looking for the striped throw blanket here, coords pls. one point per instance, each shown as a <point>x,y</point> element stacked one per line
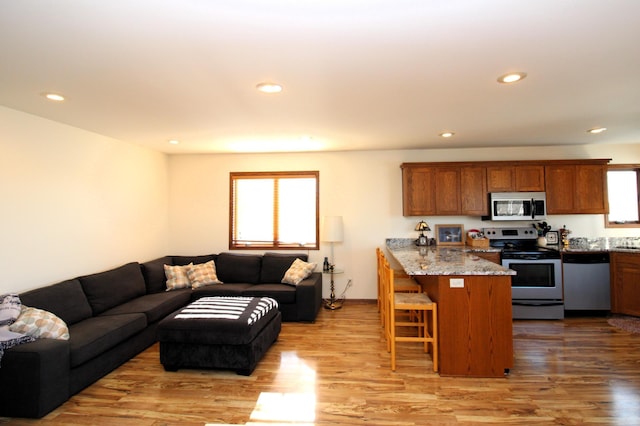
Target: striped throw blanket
<point>229,308</point>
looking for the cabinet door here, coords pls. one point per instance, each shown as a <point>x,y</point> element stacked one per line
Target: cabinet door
<point>576,189</point>
<point>447,195</point>
<point>529,178</point>
<point>560,188</point>
<point>488,255</point>
<point>500,179</point>
<point>418,191</point>
<point>625,283</point>
<point>473,191</point>
<point>591,189</point>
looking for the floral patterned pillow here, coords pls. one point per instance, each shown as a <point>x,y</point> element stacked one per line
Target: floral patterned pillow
<point>298,271</point>
<point>9,308</point>
<point>40,324</point>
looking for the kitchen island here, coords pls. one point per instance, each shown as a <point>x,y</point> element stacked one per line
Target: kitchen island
<point>474,306</point>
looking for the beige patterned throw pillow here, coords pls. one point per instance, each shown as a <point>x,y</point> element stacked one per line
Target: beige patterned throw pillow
<point>177,276</point>
<point>40,324</point>
<point>203,274</point>
<point>298,271</point>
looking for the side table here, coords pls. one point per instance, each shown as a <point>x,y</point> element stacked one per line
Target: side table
<point>331,302</point>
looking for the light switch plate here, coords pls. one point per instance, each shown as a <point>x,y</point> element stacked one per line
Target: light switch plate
<point>456,282</point>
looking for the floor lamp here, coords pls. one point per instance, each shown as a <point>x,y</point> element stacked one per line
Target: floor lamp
<point>332,232</point>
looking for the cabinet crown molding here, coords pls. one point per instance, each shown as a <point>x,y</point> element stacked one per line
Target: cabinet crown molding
<point>565,162</point>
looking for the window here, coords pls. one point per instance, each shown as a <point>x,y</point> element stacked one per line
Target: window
<point>274,210</point>
<point>622,187</point>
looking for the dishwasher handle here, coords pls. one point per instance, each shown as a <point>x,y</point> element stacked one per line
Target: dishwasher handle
<point>586,258</point>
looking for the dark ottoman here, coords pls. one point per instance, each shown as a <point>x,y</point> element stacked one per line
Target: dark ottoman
<point>230,333</point>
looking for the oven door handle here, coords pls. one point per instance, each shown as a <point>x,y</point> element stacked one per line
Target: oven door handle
<point>527,257</point>
<point>553,303</point>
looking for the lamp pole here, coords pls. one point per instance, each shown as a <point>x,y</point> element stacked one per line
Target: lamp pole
<point>332,232</point>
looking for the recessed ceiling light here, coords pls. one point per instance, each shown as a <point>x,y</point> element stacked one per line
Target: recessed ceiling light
<point>597,130</point>
<point>447,134</point>
<point>174,142</point>
<point>512,77</point>
<point>54,97</point>
<point>268,87</point>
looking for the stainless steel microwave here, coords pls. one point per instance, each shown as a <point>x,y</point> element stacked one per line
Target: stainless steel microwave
<point>518,205</point>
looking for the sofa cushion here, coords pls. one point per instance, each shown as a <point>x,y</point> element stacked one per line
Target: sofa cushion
<point>154,276</point>
<point>238,268</point>
<point>298,271</point>
<point>40,324</point>
<point>177,277</point>
<point>274,265</point>
<point>107,289</point>
<point>185,260</point>
<point>220,290</point>
<point>155,306</point>
<point>94,336</point>
<point>65,299</point>
<point>203,274</point>
<point>283,293</point>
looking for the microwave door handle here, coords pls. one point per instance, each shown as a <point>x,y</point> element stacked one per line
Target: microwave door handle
<point>533,209</point>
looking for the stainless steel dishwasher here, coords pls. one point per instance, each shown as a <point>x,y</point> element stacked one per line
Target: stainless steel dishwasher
<point>586,281</point>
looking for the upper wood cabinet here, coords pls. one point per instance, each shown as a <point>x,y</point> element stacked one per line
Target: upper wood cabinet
<point>576,189</point>
<point>447,193</point>
<point>462,188</point>
<point>473,191</point>
<point>430,191</point>
<point>418,191</point>
<point>529,178</point>
<point>515,178</point>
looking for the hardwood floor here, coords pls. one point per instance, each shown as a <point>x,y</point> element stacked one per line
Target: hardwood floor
<point>336,372</point>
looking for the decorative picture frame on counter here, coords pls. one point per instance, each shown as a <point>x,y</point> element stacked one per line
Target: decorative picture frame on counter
<point>552,237</point>
<point>450,235</point>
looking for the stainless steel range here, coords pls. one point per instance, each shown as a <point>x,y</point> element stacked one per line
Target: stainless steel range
<point>536,290</point>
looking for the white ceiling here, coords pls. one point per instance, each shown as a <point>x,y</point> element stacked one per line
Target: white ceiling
<point>357,74</point>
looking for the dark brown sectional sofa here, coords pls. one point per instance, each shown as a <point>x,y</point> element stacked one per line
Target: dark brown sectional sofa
<point>113,315</point>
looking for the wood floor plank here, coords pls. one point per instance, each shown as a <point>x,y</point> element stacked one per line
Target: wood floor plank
<point>336,371</point>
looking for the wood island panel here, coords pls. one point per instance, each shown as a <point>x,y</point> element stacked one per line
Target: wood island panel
<point>474,324</point>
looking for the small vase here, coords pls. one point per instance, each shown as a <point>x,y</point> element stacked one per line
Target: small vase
<point>542,241</point>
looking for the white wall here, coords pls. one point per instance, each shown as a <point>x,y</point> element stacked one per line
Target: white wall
<point>364,187</point>
<point>73,202</point>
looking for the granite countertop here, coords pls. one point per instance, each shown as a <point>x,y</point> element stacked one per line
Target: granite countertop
<point>442,260</point>
<point>579,249</point>
<point>606,244</point>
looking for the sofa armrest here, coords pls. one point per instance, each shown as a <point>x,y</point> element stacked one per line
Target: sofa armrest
<point>309,297</point>
<point>34,378</point>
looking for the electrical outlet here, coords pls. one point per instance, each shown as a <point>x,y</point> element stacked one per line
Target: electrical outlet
<point>456,282</point>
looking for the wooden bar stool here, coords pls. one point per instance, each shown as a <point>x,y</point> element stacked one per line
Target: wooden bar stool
<point>398,302</point>
<point>402,283</point>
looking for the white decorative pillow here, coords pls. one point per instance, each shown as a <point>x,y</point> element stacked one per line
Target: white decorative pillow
<point>298,271</point>
<point>177,276</point>
<point>9,308</point>
<point>40,324</point>
<point>203,274</point>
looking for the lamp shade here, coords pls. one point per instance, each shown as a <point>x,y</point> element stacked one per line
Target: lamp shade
<point>332,229</point>
<point>422,226</point>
